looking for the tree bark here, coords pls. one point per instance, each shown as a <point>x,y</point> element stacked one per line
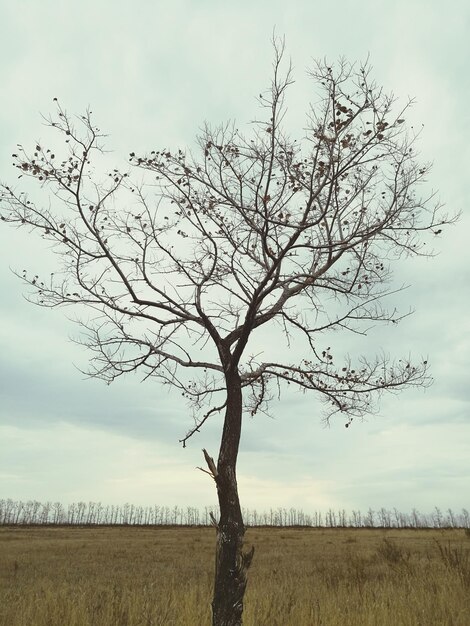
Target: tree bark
<point>231,563</point>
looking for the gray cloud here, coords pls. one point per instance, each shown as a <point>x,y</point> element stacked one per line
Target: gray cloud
<point>152,75</point>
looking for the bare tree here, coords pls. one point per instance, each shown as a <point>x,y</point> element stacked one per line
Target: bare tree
<point>180,267</point>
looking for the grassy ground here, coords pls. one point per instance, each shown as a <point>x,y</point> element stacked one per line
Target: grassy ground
<point>163,577</point>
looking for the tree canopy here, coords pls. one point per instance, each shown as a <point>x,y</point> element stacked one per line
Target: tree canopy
<point>211,244</point>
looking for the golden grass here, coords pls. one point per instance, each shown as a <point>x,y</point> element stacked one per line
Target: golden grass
<point>163,577</point>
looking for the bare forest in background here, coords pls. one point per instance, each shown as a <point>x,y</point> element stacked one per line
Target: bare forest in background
<point>96,513</point>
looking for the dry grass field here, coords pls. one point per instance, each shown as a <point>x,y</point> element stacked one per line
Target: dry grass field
<point>141,576</point>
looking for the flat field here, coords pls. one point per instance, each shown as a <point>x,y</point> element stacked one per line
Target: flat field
<point>158,576</point>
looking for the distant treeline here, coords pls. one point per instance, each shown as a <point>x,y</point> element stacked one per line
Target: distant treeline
<point>95,513</point>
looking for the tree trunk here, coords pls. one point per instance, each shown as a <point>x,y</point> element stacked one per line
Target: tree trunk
<point>231,563</point>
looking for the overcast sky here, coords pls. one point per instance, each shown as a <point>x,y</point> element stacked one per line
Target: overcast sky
<point>153,72</point>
